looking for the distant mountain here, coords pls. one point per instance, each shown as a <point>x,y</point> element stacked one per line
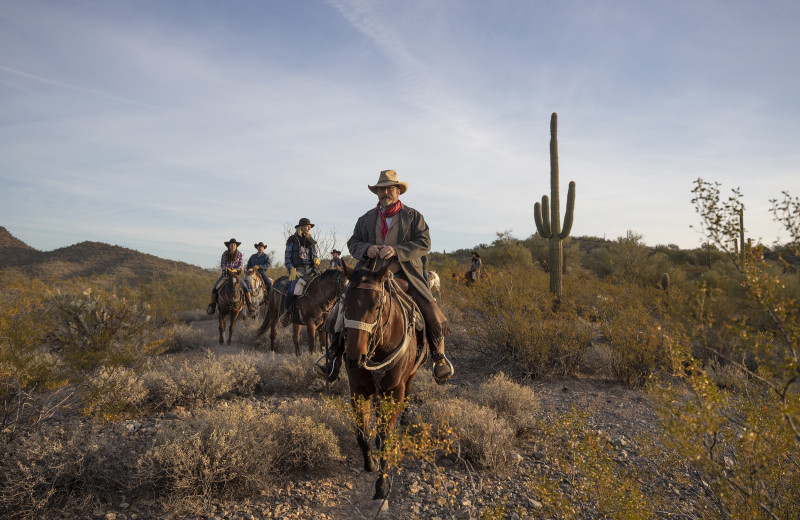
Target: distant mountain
<point>83,260</point>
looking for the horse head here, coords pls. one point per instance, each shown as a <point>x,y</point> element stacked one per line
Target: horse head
<point>365,304</point>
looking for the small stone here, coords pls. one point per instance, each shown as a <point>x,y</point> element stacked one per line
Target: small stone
<point>515,457</point>
<point>534,503</point>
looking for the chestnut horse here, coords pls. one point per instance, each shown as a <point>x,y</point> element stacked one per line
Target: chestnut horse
<point>230,299</point>
<point>313,306</point>
<point>382,352</point>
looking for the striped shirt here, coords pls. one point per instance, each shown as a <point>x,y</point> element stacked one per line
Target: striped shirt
<point>237,262</point>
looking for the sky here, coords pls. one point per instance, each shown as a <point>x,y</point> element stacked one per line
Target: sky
<point>170,126</point>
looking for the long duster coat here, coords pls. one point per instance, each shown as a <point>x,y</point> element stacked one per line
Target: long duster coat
<point>413,241</point>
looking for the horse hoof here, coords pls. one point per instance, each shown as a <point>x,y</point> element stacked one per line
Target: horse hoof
<point>381,505</point>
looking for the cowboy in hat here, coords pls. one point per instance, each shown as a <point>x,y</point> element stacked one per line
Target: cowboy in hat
<point>260,262</point>
<point>300,260</point>
<point>336,262</point>
<point>231,262</point>
<point>399,235</point>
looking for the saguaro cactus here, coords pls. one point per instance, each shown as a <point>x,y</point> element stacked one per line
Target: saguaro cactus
<point>548,216</point>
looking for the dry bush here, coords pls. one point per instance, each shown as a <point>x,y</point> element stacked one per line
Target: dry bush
<point>513,402</point>
<point>234,451</point>
<point>191,382</point>
<point>478,434</point>
<point>333,413</point>
<point>184,338</point>
<point>54,472</point>
<point>293,375</point>
<point>589,483</point>
<point>512,317</point>
<point>113,392</point>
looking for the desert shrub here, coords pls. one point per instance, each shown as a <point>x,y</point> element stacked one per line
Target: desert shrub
<point>184,337</point>
<point>233,451</point>
<point>305,444</point>
<point>185,382</point>
<point>477,433</point>
<point>335,416</point>
<point>113,392</point>
<point>737,441</point>
<point>592,484</point>
<point>512,318</point>
<point>295,375</point>
<point>94,329</point>
<point>513,402</point>
<point>54,472</point>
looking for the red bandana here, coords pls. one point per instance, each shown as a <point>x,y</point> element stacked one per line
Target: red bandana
<point>388,212</point>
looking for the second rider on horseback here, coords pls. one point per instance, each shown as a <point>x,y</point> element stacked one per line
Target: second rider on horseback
<point>301,261</point>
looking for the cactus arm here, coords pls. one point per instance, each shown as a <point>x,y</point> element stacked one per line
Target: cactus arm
<point>569,212</point>
<point>540,211</point>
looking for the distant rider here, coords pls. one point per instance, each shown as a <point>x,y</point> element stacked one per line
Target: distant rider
<point>260,262</point>
<point>231,262</point>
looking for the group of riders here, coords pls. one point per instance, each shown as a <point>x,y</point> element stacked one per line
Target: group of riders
<point>390,232</point>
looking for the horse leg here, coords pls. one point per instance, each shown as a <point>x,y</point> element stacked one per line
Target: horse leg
<point>272,333</point>
<point>234,317</point>
<point>362,409</point>
<point>381,484</point>
<point>221,328</point>
<point>296,338</point>
<point>311,333</point>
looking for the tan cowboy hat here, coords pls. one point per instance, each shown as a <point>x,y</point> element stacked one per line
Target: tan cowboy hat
<point>229,242</point>
<point>388,178</point>
<point>260,244</point>
<point>304,222</point>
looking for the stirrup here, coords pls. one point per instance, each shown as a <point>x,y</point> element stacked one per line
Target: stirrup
<point>332,374</point>
<point>444,376</point>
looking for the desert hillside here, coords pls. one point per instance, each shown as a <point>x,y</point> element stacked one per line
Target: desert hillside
<point>84,259</point>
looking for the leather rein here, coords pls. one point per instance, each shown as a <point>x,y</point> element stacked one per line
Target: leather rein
<point>376,338</point>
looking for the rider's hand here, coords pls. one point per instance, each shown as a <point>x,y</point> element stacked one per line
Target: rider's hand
<point>293,274</point>
<point>256,268</point>
<point>316,261</point>
<point>388,252</point>
<point>373,251</point>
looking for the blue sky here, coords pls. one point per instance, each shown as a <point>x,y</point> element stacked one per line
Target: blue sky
<point>170,126</point>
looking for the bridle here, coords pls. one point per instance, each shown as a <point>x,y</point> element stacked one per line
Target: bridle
<point>376,338</point>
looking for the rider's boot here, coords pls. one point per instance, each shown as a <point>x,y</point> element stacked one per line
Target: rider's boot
<point>442,367</point>
<point>286,317</point>
<point>250,307</point>
<point>212,307</point>
<point>333,359</point>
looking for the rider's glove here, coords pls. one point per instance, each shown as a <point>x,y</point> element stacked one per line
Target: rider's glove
<point>316,261</point>
<point>293,274</point>
<point>256,267</point>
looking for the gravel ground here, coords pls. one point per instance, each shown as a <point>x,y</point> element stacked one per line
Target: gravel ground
<point>452,489</point>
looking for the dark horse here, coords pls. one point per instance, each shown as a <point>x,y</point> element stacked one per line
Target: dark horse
<point>382,351</point>
<point>230,299</point>
<point>312,307</point>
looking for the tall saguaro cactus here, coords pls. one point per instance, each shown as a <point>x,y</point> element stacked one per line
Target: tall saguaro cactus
<point>548,216</point>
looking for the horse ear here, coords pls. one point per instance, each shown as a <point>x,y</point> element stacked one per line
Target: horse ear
<point>383,271</point>
<point>348,271</point>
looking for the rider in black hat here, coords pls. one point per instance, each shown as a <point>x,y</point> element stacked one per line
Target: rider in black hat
<point>231,262</point>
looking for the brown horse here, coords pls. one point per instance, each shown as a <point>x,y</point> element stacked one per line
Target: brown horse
<point>466,277</point>
<point>382,352</point>
<point>311,308</point>
<point>230,299</point>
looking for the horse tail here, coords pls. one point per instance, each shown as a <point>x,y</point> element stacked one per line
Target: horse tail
<point>268,314</point>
